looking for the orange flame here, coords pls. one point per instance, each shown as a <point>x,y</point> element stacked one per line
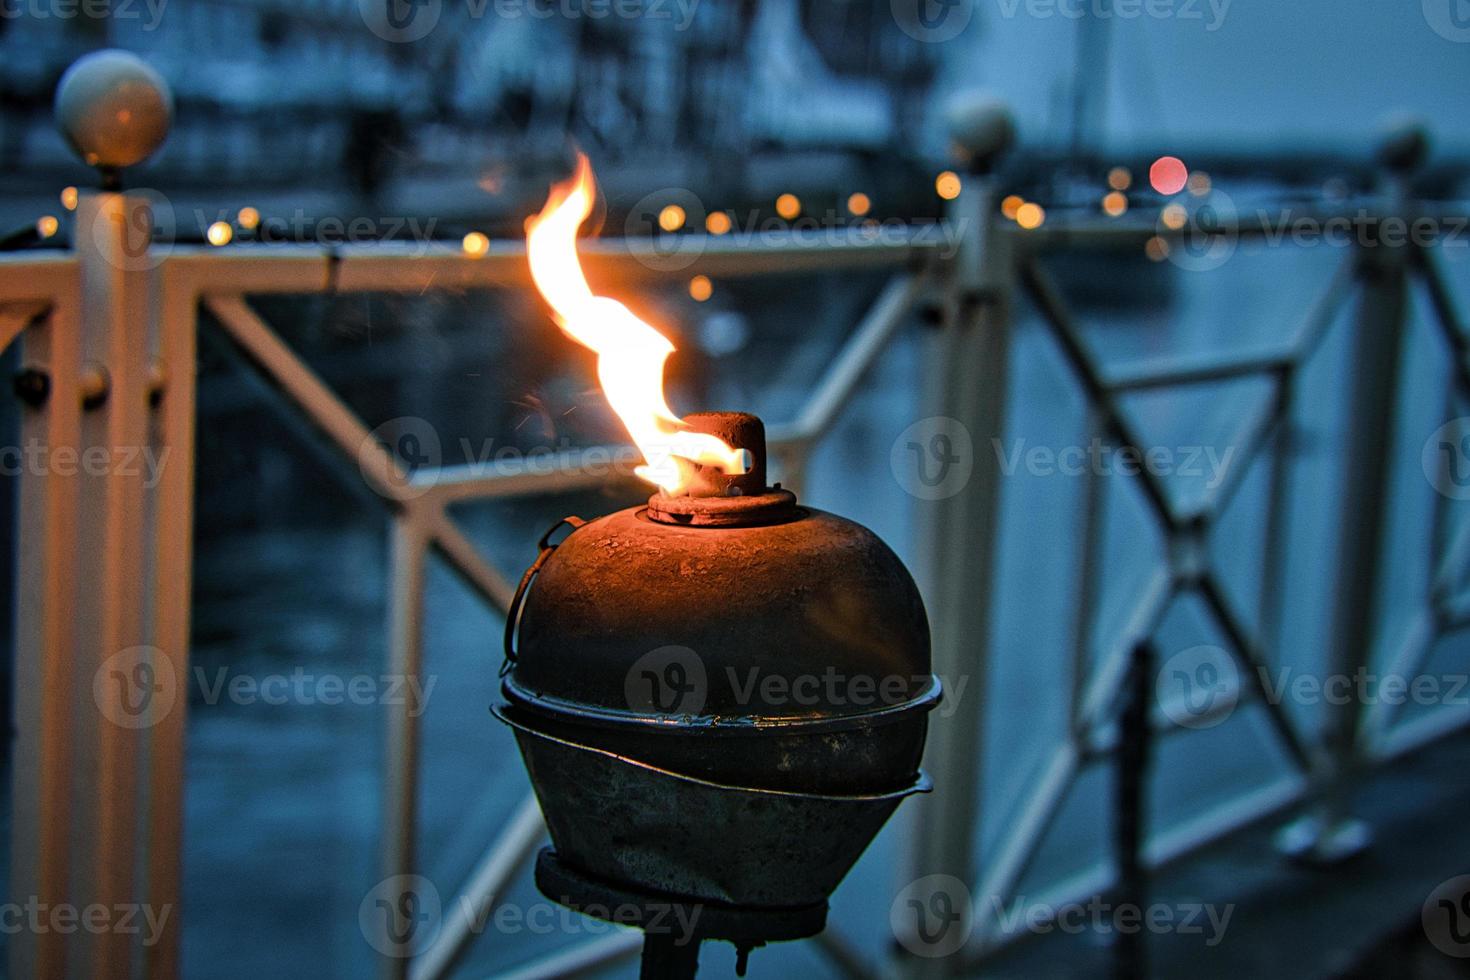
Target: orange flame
<point>630,353</point>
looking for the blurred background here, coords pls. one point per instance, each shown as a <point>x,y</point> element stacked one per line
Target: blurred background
<point>311,123</point>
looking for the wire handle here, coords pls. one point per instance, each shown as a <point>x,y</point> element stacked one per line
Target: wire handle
<point>518,601</point>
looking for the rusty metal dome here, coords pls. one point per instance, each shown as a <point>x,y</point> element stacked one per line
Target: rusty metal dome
<point>730,669</point>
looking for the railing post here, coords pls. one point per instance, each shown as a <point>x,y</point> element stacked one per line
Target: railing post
<point>966,374</point>
<point>104,551</point>
<point>120,691</point>
<point>45,671</point>
<point>1328,833</point>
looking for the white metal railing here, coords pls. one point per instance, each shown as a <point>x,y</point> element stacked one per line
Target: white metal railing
<point>108,337</point>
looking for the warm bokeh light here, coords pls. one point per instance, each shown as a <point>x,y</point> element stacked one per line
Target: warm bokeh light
<point>1199,183</point>
<point>1011,204</point>
<point>671,218</point>
<point>69,198</point>
<point>249,218</point>
<point>1120,178</point>
<point>47,225</point>
<point>220,233</point>
<point>630,352</point>
<point>475,244</point>
<point>1174,217</point>
<point>1156,249</point>
<point>1114,203</point>
<point>947,185</point>
<point>788,206</point>
<point>1030,215</point>
<point>859,204</point>
<point>717,223</point>
<point>700,288</point>
<point>1168,175</point>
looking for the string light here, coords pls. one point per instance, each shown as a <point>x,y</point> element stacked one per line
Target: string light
<point>1030,215</point>
<point>947,185</point>
<point>69,198</point>
<point>249,218</point>
<point>1120,178</point>
<point>1114,203</point>
<point>859,204</point>
<point>1011,204</point>
<point>1168,175</point>
<point>219,233</point>
<point>700,288</point>
<point>671,218</point>
<point>1174,217</point>
<point>717,223</point>
<point>1156,249</point>
<point>475,244</point>
<point>788,206</point>
<point>47,226</point>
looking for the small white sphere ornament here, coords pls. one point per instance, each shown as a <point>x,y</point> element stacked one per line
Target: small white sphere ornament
<point>981,126</point>
<point>113,108</point>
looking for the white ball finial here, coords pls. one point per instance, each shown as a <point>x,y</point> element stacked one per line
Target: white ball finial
<point>113,109</point>
<point>1403,142</point>
<point>981,126</point>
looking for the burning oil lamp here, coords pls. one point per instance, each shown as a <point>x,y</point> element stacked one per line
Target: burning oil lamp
<point>721,696</point>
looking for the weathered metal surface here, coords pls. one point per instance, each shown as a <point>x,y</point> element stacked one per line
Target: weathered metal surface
<point>722,711</point>
<point>632,823</point>
<point>806,641</point>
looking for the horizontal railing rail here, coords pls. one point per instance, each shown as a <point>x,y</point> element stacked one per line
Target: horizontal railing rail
<point>108,345</point>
